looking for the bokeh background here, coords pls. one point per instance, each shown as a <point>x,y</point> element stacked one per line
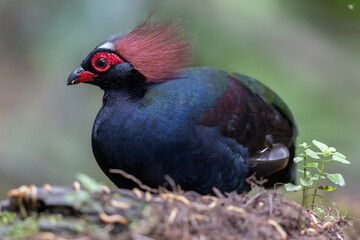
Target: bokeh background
<point>307,51</point>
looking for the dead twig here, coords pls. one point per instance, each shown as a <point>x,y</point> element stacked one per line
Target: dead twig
<point>252,199</point>
<point>106,189</point>
<point>236,209</point>
<point>33,193</point>
<point>218,193</point>
<point>176,197</point>
<point>200,217</point>
<point>173,215</point>
<point>310,231</point>
<point>134,179</point>
<point>120,205</point>
<point>271,205</point>
<point>327,225</point>
<point>174,187</point>
<point>254,182</point>
<point>22,208</point>
<point>116,218</point>
<point>278,228</point>
<point>212,204</point>
<point>148,196</point>
<point>138,193</point>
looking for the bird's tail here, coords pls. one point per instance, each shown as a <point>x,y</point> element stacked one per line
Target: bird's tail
<point>287,175</point>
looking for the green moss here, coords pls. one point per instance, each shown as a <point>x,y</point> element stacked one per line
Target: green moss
<point>7,217</point>
<point>27,227</point>
<point>80,227</point>
<point>78,197</point>
<point>134,223</point>
<point>116,195</point>
<point>53,218</point>
<point>89,183</point>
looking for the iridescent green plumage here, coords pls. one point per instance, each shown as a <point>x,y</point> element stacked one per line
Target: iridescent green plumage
<point>268,95</point>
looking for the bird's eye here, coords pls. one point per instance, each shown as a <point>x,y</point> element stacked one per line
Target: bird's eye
<point>101,63</point>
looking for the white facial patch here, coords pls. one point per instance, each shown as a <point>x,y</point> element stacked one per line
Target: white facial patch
<point>107,45</point>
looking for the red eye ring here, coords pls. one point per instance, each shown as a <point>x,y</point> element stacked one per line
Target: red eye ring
<point>103,60</point>
<point>100,62</point>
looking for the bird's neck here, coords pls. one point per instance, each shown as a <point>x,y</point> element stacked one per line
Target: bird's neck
<point>135,85</point>
<point>116,96</point>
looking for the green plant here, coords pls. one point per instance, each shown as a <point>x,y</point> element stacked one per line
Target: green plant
<point>313,170</point>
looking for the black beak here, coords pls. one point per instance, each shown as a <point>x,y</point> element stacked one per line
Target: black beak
<point>74,77</point>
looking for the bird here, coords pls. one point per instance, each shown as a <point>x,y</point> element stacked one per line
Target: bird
<point>203,127</point>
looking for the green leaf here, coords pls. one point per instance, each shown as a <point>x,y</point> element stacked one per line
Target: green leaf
<point>322,146</point>
<point>312,154</point>
<point>312,164</point>
<point>292,188</point>
<point>336,178</point>
<point>332,150</point>
<point>298,159</point>
<point>338,158</point>
<point>304,145</point>
<point>316,176</point>
<point>340,155</point>
<point>327,188</point>
<point>306,182</point>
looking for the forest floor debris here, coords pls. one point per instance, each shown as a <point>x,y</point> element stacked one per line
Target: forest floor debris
<point>88,210</point>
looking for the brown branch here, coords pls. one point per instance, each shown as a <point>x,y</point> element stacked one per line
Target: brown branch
<point>252,199</point>
<point>134,179</point>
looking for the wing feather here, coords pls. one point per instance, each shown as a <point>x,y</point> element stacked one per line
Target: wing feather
<point>251,113</point>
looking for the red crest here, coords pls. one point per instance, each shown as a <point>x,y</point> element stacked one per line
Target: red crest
<point>158,49</point>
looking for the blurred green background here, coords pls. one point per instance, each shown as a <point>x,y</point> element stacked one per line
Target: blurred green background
<point>307,51</point>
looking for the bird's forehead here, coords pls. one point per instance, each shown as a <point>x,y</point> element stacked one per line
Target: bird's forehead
<point>107,45</point>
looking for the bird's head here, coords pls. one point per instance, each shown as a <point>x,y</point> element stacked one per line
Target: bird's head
<point>155,51</point>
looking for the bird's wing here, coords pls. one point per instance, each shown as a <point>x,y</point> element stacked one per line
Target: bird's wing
<point>257,118</point>
<point>268,96</point>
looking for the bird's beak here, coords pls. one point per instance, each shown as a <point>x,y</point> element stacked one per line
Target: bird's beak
<point>80,75</point>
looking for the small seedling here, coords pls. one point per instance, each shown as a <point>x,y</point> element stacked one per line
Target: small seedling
<point>313,170</point>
